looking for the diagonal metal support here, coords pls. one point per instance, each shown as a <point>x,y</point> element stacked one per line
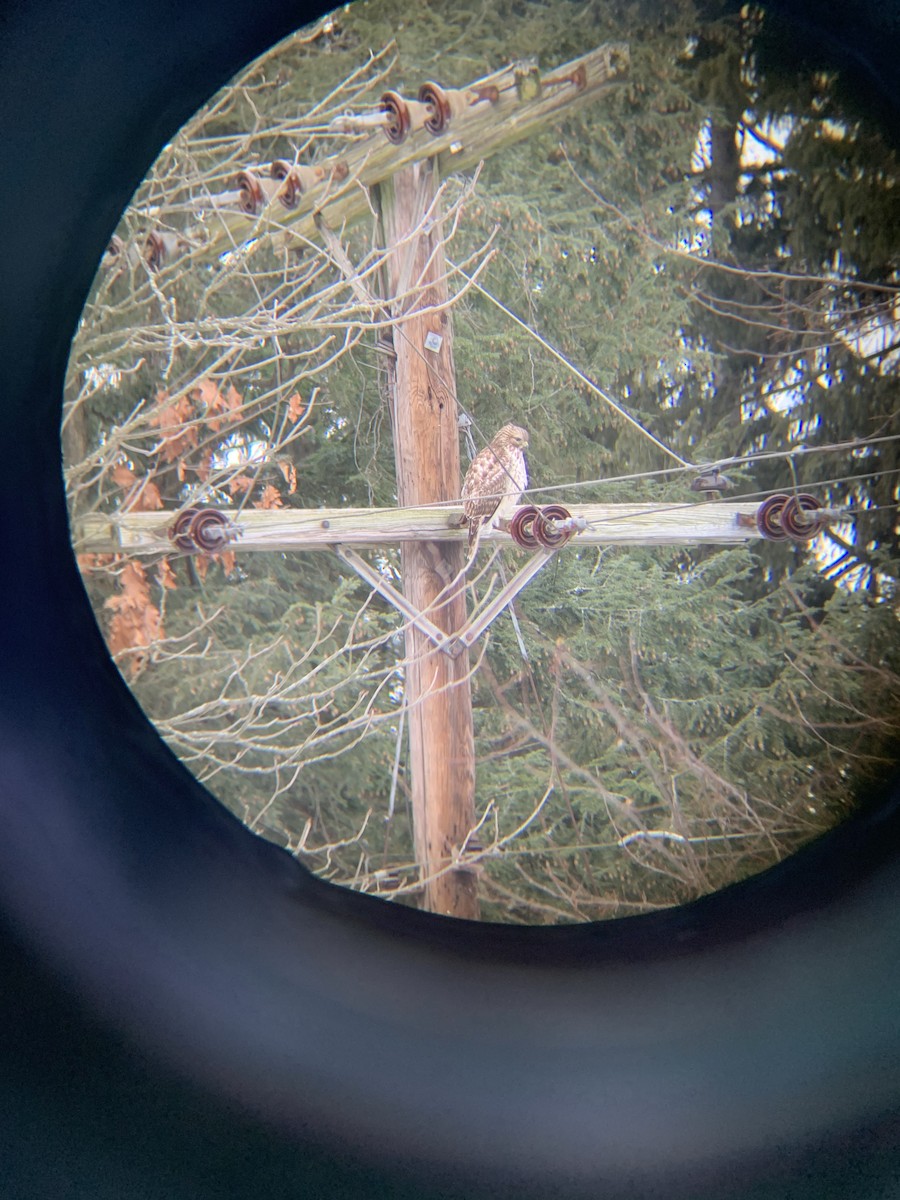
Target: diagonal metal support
<point>399,601</point>
<point>474,627</point>
<point>478,623</point>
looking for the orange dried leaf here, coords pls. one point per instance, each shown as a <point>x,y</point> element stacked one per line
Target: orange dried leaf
<point>121,633</point>
<point>172,419</point>
<point>269,499</point>
<point>93,562</point>
<point>233,401</point>
<point>149,628</point>
<point>228,559</point>
<point>207,392</point>
<point>228,403</point>
<point>133,584</point>
<point>123,476</point>
<point>131,629</point>
<point>286,467</point>
<point>148,498</point>
<point>240,483</point>
<point>172,414</point>
<point>296,407</point>
<point>166,575</point>
<point>210,400</point>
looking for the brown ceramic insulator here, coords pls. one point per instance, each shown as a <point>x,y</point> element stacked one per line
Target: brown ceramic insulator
<point>154,250</point>
<point>768,518</point>
<point>446,104</point>
<point>251,198</point>
<point>160,248</point>
<point>209,530</point>
<point>118,255</point>
<point>800,518</point>
<point>255,192</point>
<point>521,527</point>
<point>180,530</point>
<point>291,188</point>
<point>293,180</point>
<point>546,531</point>
<point>405,116</point>
<point>435,98</point>
<point>395,107</point>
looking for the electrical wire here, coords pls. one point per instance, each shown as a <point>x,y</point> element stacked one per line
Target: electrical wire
<point>683,467</point>
<point>740,460</point>
<point>570,366</point>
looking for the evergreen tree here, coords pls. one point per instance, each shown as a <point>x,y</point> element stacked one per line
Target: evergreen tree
<point>712,245</point>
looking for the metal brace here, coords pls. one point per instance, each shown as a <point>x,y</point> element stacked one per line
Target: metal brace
<point>464,638</point>
<point>399,601</point>
<point>479,621</point>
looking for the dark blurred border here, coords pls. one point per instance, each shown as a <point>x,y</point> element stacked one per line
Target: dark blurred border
<point>183,1010</point>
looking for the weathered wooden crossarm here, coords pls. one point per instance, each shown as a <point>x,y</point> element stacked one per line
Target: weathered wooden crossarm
<point>323,528</point>
<point>524,101</point>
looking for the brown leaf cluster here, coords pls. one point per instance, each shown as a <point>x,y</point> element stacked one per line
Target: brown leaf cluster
<point>212,400</point>
<point>296,408</point>
<point>271,498</point>
<point>166,575</point>
<point>93,562</point>
<point>177,425</point>
<point>289,471</point>
<point>135,622</point>
<point>141,493</point>
<point>240,483</point>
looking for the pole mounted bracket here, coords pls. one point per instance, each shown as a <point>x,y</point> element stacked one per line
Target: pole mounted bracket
<point>453,644</point>
<point>424,624</point>
<point>481,619</point>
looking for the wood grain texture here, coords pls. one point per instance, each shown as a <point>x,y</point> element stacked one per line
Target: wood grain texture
<point>426,450</point>
<point>642,524</point>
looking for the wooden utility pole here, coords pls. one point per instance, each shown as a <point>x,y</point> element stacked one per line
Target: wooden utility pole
<point>399,165</point>
<point>422,386</point>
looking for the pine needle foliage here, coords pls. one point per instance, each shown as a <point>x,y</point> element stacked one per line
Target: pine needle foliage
<point>713,245</point>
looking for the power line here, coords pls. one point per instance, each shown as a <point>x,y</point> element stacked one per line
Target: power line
<point>570,366</point>
<point>740,460</point>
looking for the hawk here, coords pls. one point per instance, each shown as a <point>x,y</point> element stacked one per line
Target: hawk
<point>495,480</point>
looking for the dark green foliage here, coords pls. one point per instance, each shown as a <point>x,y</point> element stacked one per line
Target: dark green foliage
<point>686,715</point>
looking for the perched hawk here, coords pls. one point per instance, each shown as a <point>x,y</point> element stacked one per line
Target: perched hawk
<point>495,480</point>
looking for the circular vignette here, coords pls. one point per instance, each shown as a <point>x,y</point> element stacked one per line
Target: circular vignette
<point>746,1045</point>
